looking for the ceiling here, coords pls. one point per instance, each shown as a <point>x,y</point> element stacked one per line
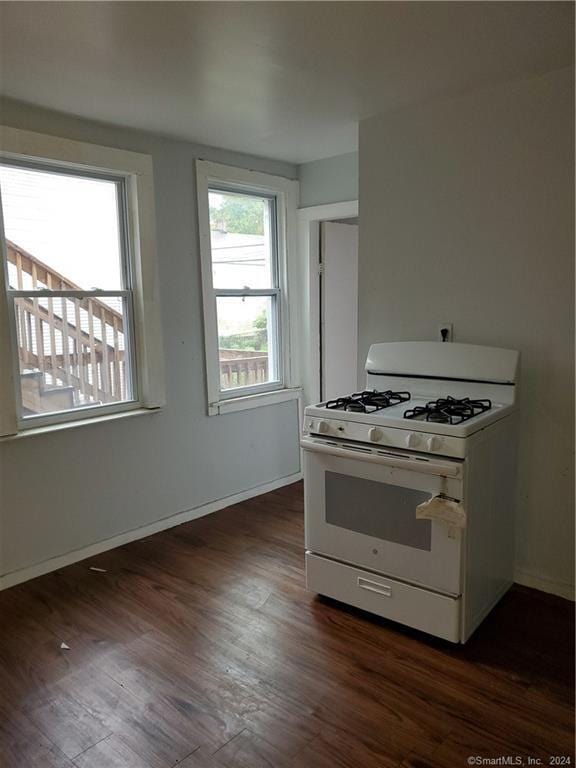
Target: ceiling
<point>289,80</point>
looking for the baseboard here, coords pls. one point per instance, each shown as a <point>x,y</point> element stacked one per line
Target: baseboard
<point>61,561</point>
<point>562,589</point>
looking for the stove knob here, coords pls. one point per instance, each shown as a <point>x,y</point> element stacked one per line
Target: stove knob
<point>323,427</point>
<point>375,434</point>
<point>434,443</point>
<point>413,440</point>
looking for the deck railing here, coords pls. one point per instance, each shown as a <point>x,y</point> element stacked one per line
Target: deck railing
<point>76,344</point>
<point>73,341</point>
<point>242,368</point>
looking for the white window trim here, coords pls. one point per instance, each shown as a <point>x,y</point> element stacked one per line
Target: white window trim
<point>138,172</point>
<point>286,191</point>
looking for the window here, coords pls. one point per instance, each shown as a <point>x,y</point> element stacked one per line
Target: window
<point>77,296</point>
<point>243,242</point>
<point>243,237</point>
<point>69,288</point>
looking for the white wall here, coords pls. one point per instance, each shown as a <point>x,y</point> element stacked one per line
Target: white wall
<point>331,180</point>
<point>339,316</point>
<point>466,209</point>
<point>63,491</point>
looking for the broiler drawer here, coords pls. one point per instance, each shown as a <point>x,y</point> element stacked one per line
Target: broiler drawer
<point>416,607</point>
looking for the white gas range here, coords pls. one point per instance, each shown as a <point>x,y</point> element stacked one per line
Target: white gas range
<point>410,486</point>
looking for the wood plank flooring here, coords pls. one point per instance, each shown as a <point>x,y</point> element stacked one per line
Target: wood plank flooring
<point>200,647</point>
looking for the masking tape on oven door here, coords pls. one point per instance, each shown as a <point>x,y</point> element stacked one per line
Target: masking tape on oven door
<point>440,508</point>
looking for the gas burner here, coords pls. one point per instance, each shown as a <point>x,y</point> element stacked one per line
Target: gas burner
<point>368,402</point>
<point>448,410</point>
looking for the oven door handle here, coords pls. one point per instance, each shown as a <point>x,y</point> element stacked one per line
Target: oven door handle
<point>424,466</point>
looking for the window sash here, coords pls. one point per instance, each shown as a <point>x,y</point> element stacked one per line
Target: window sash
<point>275,335</point>
<point>87,410</point>
<point>272,197</point>
<point>119,180</point>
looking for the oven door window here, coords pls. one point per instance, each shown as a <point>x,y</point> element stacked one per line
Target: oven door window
<point>382,511</point>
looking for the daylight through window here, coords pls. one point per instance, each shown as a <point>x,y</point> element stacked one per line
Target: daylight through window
<point>244,251</point>
<point>69,288</point>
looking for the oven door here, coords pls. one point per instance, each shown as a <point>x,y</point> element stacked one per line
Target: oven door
<point>360,508</point>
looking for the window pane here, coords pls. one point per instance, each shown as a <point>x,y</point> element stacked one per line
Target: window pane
<point>247,341</point>
<point>73,352</point>
<point>63,231</point>
<point>241,239</point>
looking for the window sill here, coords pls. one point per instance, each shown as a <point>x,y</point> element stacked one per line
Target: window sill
<point>247,402</point>
<point>48,428</point>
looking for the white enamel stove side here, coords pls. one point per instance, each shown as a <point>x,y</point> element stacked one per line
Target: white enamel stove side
<point>392,437</point>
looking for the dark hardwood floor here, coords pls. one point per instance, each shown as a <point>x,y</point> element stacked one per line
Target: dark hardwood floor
<point>200,647</point>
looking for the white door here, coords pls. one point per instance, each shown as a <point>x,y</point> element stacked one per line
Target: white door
<point>339,309</point>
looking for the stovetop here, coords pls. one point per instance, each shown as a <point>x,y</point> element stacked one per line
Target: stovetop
<point>368,401</point>
<point>444,410</point>
<point>445,415</point>
<point>448,410</point>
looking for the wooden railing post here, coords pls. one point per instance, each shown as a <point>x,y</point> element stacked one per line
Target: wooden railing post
<point>38,322</point>
<point>65,340</point>
<point>52,330</point>
<point>80,348</point>
<point>116,364</point>
<point>92,351</point>
<point>104,363</point>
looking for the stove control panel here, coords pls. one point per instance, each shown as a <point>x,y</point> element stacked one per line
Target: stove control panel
<point>393,437</point>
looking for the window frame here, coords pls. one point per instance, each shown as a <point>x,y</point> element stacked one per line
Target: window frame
<point>126,293</point>
<point>284,192</point>
<point>274,291</point>
<point>134,173</point>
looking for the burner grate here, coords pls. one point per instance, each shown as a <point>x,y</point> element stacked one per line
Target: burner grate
<point>367,401</point>
<point>448,410</point>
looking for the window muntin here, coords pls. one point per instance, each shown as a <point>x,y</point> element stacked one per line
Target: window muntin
<point>69,289</point>
<point>245,281</point>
